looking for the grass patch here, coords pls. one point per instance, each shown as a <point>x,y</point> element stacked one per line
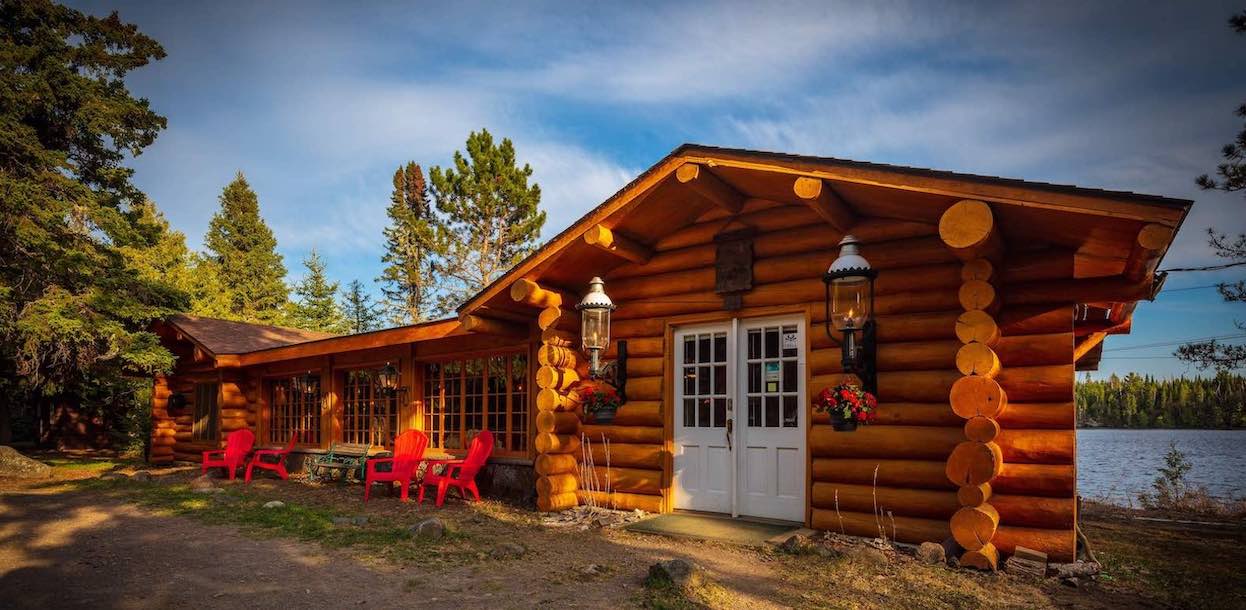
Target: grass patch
<point>85,464</point>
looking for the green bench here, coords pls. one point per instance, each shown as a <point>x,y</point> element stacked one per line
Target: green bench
<point>343,462</point>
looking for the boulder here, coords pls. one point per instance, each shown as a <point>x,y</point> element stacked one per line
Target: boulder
<point>359,520</point>
<point>201,482</point>
<point>14,464</point>
<point>869,556</point>
<point>931,552</point>
<point>114,476</point>
<point>679,572</point>
<point>508,550</point>
<point>274,504</point>
<point>341,521</point>
<point>796,544</point>
<point>141,476</point>
<point>431,528</point>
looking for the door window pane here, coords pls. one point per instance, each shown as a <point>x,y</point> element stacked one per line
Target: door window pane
<point>690,349</point>
<point>772,411</point>
<point>690,412</point>
<point>772,343</point>
<point>720,412</point>
<point>754,411</point>
<point>720,347</point>
<point>754,344</point>
<point>791,417</point>
<point>703,413</point>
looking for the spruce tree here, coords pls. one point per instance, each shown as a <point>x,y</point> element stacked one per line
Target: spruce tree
<point>74,314</point>
<point>362,315</point>
<point>490,209</point>
<point>412,244</point>
<point>316,307</point>
<point>244,251</point>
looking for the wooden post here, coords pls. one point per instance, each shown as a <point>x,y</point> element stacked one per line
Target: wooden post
<point>530,293</point>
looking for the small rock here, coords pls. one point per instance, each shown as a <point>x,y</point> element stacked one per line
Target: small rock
<point>359,520</point>
<point>1074,582</point>
<point>114,476</point>
<point>931,552</point>
<point>796,544</point>
<point>219,497</point>
<point>141,476</point>
<point>591,570</point>
<point>431,528</point>
<point>339,521</point>
<point>274,504</point>
<point>14,464</point>
<point>827,551</point>
<point>870,555</point>
<point>508,550</point>
<point>679,572</point>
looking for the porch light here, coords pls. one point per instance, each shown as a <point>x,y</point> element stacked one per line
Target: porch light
<point>387,378</point>
<point>595,309</point>
<point>850,309</point>
<point>305,383</point>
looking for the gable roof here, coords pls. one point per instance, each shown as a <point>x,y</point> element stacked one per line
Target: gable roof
<point>1041,196</point>
<point>219,337</point>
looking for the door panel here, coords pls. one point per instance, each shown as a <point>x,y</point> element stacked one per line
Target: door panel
<point>772,365</point>
<point>703,474</point>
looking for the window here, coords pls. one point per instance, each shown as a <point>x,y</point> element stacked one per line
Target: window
<point>295,411</point>
<point>369,413</point>
<point>462,397</point>
<point>206,412</point>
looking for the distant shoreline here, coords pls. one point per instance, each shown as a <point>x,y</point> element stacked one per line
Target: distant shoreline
<point>1093,427</point>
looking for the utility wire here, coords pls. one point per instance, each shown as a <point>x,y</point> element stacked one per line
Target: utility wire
<point>1208,268</point>
<point>1176,342</point>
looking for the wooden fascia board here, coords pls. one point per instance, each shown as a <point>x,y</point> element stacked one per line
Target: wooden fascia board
<point>967,189</point>
<point>349,343</point>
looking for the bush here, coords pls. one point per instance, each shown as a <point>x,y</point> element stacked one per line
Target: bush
<point>1174,493</point>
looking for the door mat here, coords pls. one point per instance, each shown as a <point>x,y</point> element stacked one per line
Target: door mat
<point>706,527</point>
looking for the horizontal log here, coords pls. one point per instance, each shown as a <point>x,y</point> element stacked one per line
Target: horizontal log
<point>973,527</point>
<point>644,388</point>
<point>981,429</point>
<point>550,317</point>
<point>1060,545</point>
<point>823,200</point>
<point>1035,350</point>
<point>1035,320</point>
<point>492,326</point>
<point>977,294</point>
<point>546,442</point>
<point>555,484</point>
<point>887,442</point>
<point>765,221</point>
<point>911,530</point>
<point>1074,291</point>
<point>905,356</point>
<point>902,386</point>
<point>1144,255</point>
<point>974,495</point>
<point>1049,383</point>
<point>639,413</point>
<point>561,338</point>
<point>810,290</point>
<point>555,503</point>
<point>1037,265</point>
<point>617,244</point>
<point>1049,480</point>
<point>625,455</point>
<point>549,399</point>
<point>985,558</point>
<point>977,326</point>
<point>637,347</point>
<point>974,396</point>
<point>630,480</point>
<point>1035,511</point>
<point>651,435</point>
<point>622,501</point>
<point>908,414</point>
<point>557,356</point>
<point>924,503</point>
<point>981,269</point>
<point>894,328</point>
<point>558,422</point>
<point>555,378</point>
<point>913,474</point>
<point>644,367</point>
<point>548,464</point>
<point>974,463</point>
<point>969,230</point>
<point>977,359</point>
<point>1039,415</point>
<point>1038,446</point>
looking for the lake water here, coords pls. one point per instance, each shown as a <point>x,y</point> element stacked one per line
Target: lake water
<point>1115,465</point>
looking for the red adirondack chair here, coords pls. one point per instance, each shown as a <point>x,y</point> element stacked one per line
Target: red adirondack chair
<point>460,474</point>
<point>408,453</point>
<point>277,459</point>
<point>237,445</point>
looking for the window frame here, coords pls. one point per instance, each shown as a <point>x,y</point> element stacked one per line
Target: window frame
<point>209,431</point>
<point>271,383</point>
<point>438,386</point>
<point>343,399</point>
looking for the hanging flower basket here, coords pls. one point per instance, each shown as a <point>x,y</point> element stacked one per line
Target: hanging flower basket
<point>848,405</point>
<point>599,399</point>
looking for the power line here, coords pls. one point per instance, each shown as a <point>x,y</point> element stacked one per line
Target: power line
<point>1208,268</point>
<point>1166,290</point>
<point>1176,342</point>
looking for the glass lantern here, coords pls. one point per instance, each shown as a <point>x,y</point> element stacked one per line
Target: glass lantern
<point>850,308</point>
<point>595,310</point>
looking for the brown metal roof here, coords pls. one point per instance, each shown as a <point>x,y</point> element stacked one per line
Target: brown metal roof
<point>230,337</point>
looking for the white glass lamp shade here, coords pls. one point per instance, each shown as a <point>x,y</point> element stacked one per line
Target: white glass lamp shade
<point>387,377</point>
<point>595,310</point>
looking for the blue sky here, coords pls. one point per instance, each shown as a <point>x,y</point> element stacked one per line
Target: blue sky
<point>318,103</point>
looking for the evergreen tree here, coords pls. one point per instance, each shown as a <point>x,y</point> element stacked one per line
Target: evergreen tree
<point>244,251</point>
<point>361,314</point>
<point>316,307</point>
<point>492,212</point>
<point>413,241</point>
<point>73,312</point>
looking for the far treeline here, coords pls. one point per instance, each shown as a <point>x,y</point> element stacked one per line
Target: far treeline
<point>1136,401</point>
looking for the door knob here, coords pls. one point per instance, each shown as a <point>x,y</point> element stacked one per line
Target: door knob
<point>730,425</point>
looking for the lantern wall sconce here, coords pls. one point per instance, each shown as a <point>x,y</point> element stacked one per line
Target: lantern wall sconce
<point>850,310</point>
<point>307,384</point>
<point>595,309</point>
<point>388,379</point>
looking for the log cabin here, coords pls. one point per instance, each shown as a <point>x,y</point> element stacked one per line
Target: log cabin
<point>990,293</point>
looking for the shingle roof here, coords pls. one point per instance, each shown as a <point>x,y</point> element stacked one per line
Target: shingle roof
<point>230,337</point>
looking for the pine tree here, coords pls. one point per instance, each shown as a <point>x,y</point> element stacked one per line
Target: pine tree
<point>492,212</point>
<point>316,307</point>
<point>413,241</point>
<point>74,312</point>
<point>361,314</point>
<point>245,253</point>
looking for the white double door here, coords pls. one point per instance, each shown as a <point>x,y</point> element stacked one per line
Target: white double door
<point>740,418</point>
